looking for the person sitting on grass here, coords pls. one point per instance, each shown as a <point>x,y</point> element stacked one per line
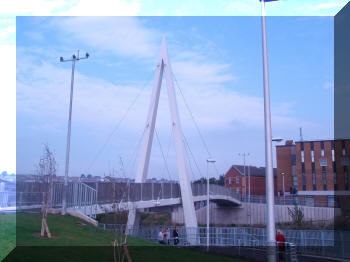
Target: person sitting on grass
<point>161,237</point>
<point>168,236</point>
<point>176,236</point>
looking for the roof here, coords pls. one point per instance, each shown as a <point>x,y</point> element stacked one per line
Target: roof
<point>321,140</point>
<point>254,171</point>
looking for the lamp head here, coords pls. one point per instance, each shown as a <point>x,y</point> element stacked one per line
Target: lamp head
<point>277,139</point>
<point>61,59</point>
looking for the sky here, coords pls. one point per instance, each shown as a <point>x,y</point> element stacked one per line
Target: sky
<point>216,61</point>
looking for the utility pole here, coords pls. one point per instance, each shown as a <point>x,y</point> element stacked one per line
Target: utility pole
<point>65,186</point>
<point>270,221</point>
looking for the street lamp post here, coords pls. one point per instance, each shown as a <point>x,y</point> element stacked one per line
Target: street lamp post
<point>244,174</point>
<point>208,161</point>
<point>278,140</point>
<point>270,221</point>
<point>65,186</point>
<point>250,214</point>
<point>284,191</point>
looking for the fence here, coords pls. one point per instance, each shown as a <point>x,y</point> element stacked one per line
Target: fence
<point>327,243</point>
<point>288,200</point>
<point>7,199</point>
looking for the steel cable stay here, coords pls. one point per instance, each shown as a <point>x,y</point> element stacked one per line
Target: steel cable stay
<point>194,122</point>
<point>133,156</point>
<point>166,166</point>
<point>163,156</point>
<point>189,163</point>
<point>190,151</point>
<point>168,149</point>
<point>117,126</point>
<point>131,162</point>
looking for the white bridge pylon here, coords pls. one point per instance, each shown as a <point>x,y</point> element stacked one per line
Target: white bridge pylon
<point>147,139</point>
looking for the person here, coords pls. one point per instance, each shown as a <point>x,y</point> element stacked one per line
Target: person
<point>280,239</point>
<point>176,236</point>
<point>168,236</point>
<point>161,237</point>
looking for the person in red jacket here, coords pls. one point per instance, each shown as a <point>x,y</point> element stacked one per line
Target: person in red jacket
<point>280,239</point>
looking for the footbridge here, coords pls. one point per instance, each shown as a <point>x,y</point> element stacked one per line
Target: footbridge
<point>101,197</point>
<point>148,195</point>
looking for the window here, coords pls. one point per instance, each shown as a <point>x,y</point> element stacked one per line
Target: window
<point>330,201</point>
<point>295,181</point>
<point>312,156</point>
<point>237,190</point>
<point>323,162</point>
<point>237,179</point>
<point>334,175</point>
<point>322,152</point>
<point>302,156</point>
<point>230,181</point>
<point>324,178</point>
<point>345,161</point>
<point>333,156</point>
<point>313,180</point>
<point>310,201</point>
<point>304,180</point>
<point>346,178</point>
<point>343,148</point>
<point>294,160</point>
<point>322,148</point>
<point>343,151</point>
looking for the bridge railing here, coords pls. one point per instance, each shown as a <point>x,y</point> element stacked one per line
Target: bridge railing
<point>82,194</point>
<point>199,189</point>
<point>79,196</point>
<point>108,192</point>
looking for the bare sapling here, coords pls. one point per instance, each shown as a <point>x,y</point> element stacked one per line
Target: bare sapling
<point>120,249</point>
<point>47,169</point>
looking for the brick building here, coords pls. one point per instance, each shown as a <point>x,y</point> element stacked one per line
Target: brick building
<point>235,179</point>
<point>316,168</point>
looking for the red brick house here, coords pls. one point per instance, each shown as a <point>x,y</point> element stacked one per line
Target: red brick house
<point>235,179</point>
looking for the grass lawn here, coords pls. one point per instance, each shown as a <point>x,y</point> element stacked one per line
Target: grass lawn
<point>7,234</point>
<point>75,242</point>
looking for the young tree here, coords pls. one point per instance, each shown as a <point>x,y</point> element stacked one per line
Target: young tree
<point>120,248</point>
<point>47,169</point>
<point>296,214</point>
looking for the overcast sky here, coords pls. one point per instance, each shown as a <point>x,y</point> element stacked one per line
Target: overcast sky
<point>217,64</point>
